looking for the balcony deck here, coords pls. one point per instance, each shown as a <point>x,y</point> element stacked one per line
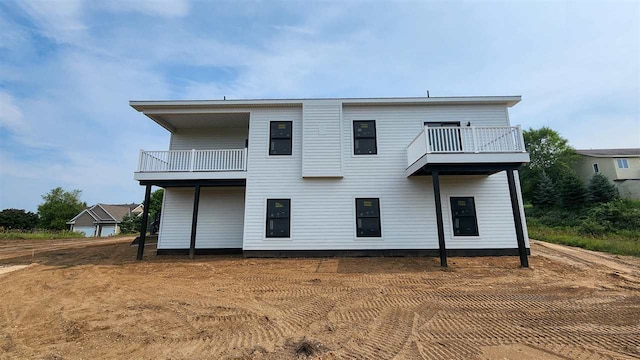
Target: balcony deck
<point>466,146</point>
<point>192,165</point>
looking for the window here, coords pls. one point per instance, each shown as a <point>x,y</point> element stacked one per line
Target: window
<point>280,138</point>
<point>368,218</point>
<point>278,218</point>
<point>463,211</point>
<point>595,168</point>
<point>623,164</point>
<point>364,137</point>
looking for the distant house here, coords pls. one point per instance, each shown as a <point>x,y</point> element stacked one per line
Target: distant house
<point>622,166</point>
<point>102,220</point>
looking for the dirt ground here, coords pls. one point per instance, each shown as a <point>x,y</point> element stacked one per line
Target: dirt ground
<point>89,299</point>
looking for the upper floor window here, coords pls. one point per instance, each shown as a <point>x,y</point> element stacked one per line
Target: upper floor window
<point>463,212</point>
<point>595,168</point>
<point>364,137</point>
<point>623,164</point>
<point>368,218</point>
<point>280,138</point>
<point>278,218</point>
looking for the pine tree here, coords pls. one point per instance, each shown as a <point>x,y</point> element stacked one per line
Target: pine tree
<point>573,192</point>
<point>601,190</point>
<point>546,195</point>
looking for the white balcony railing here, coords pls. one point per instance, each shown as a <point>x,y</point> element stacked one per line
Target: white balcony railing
<point>193,160</point>
<point>466,139</point>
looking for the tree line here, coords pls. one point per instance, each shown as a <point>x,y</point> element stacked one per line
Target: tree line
<point>59,206</point>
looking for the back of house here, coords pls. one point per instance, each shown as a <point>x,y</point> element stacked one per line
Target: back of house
<point>621,166</point>
<point>306,177</point>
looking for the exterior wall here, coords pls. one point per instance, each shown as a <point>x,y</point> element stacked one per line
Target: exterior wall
<point>322,145</point>
<point>584,167</point>
<point>208,138</point>
<point>629,189</point>
<point>632,172</point>
<point>323,210</point>
<point>220,218</point>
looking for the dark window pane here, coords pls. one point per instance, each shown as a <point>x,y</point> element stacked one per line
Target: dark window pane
<point>281,129</point>
<point>364,146</point>
<point>364,129</point>
<point>367,208</point>
<point>280,147</point>
<point>278,228</point>
<point>368,227</point>
<point>278,208</point>
<point>463,211</point>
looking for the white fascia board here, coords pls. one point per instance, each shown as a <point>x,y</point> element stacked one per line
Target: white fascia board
<point>148,106</point>
<point>81,212</point>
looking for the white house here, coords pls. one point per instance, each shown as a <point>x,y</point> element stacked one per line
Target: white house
<point>338,177</point>
<point>102,220</point>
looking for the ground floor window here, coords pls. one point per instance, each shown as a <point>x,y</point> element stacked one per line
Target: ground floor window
<point>463,212</point>
<point>368,217</point>
<point>278,218</point>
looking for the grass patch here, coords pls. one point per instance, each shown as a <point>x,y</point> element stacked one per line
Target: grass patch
<point>621,243</point>
<point>44,235</point>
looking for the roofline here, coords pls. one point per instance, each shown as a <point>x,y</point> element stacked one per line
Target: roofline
<point>77,216</point>
<point>147,105</point>
<point>108,213</point>
<point>606,155</point>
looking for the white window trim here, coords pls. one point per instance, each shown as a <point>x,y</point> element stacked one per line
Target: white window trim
<point>264,219</point>
<point>353,140</point>
<point>622,161</point>
<point>450,216</point>
<point>355,219</point>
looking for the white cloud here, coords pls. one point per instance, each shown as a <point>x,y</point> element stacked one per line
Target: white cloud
<point>59,20</point>
<point>11,117</point>
<point>162,8</point>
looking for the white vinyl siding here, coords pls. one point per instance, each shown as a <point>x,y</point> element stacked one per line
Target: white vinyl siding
<point>220,218</point>
<point>208,138</point>
<point>321,139</point>
<point>322,210</point>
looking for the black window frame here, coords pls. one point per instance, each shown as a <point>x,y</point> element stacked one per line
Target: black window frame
<point>368,137</point>
<point>274,137</point>
<point>596,168</point>
<point>270,217</point>
<point>360,217</point>
<point>474,215</point>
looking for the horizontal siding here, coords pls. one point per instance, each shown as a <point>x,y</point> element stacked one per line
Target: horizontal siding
<point>220,218</point>
<point>321,139</point>
<point>208,138</point>
<point>323,214</point>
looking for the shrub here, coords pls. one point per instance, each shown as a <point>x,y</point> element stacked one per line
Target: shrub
<point>601,190</point>
<point>131,224</point>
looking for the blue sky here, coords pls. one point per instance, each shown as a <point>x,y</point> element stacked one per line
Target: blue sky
<point>68,69</point>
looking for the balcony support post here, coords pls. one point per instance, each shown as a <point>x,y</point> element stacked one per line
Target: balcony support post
<point>517,219</point>
<point>145,220</point>
<point>435,175</point>
<point>194,221</point>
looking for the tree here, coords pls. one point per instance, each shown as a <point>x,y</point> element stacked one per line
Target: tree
<point>155,203</point>
<point>131,223</point>
<point>573,192</point>
<point>601,190</point>
<point>546,194</point>
<point>59,206</point>
<point>18,219</point>
<point>550,153</point>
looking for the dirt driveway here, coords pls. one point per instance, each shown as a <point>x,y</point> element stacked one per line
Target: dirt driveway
<point>97,302</point>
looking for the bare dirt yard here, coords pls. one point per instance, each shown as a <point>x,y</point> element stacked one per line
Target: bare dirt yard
<point>89,299</point>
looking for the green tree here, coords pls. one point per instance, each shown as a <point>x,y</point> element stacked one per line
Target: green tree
<point>601,190</point>
<point>18,219</point>
<point>59,206</point>
<point>550,153</point>
<point>573,192</point>
<point>546,194</point>
<point>131,223</point>
<point>155,203</point>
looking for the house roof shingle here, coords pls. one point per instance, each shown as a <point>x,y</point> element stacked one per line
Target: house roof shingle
<point>609,152</point>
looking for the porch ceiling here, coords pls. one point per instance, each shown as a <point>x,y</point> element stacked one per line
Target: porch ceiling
<point>172,122</point>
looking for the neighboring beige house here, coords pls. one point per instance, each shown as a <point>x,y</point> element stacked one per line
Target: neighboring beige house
<point>102,220</point>
<point>622,166</point>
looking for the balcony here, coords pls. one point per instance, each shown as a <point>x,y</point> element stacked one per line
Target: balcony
<point>192,164</point>
<point>470,145</point>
